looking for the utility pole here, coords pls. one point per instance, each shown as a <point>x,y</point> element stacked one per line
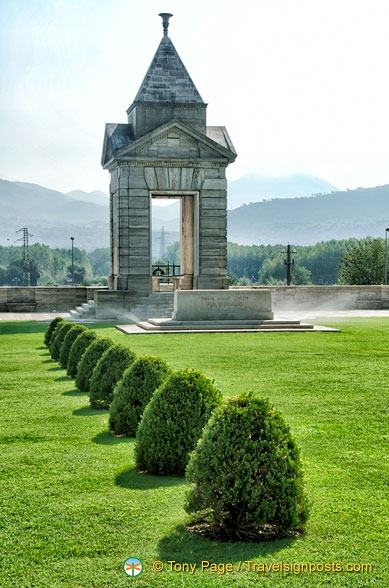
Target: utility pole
<point>26,256</point>
<point>289,261</point>
<point>162,245</point>
<point>72,239</point>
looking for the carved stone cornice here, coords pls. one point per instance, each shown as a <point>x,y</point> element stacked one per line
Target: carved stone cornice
<point>174,105</point>
<point>157,163</point>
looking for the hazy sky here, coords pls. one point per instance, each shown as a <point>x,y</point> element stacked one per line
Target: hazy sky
<point>296,82</point>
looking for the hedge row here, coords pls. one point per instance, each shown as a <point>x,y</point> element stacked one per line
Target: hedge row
<point>243,466</point>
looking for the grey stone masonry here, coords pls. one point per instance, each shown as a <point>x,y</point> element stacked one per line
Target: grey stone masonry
<point>167,79</point>
<point>166,150</point>
<point>166,92</point>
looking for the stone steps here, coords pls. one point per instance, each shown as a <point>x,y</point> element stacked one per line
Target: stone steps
<point>85,312</point>
<point>154,304</point>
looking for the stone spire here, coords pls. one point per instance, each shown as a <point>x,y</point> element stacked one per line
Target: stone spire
<point>167,91</point>
<point>167,79</point>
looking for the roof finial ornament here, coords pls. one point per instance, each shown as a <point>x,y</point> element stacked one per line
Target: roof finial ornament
<point>165,18</point>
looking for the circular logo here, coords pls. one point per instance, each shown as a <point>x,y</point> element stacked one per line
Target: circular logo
<point>132,566</point>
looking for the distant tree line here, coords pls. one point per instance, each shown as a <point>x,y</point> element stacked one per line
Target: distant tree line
<point>350,261</point>
<point>51,267</point>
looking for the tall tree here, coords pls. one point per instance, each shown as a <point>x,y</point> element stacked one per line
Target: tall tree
<point>273,272</point>
<point>363,263</point>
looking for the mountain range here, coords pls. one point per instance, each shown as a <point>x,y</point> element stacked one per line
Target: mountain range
<point>305,221</point>
<point>53,217</point>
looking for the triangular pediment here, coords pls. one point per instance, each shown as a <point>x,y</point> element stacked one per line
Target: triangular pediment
<point>174,140</point>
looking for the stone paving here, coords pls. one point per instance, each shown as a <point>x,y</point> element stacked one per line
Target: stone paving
<point>39,317</point>
<point>310,315</point>
<point>302,315</point>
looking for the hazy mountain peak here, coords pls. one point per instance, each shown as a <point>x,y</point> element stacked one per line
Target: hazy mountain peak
<point>258,185</point>
<point>95,197</point>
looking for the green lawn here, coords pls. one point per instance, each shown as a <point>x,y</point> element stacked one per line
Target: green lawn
<point>72,507</point>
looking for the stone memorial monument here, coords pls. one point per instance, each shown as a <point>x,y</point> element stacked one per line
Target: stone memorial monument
<point>166,150</point>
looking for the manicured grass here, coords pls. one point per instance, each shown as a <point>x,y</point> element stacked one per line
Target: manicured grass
<point>72,507</point>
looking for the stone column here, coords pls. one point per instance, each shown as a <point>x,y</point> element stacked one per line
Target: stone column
<point>213,231</point>
<point>187,242</point>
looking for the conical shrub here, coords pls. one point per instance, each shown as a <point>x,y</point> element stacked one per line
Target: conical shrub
<point>107,373</point>
<point>51,328</point>
<point>246,473</point>
<point>58,338</point>
<point>89,361</point>
<point>134,391</point>
<point>78,349</point>
<point>70,337</point>
<point>173,422</point>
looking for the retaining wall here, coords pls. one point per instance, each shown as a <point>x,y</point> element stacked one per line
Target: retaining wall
<point>326,297</point>
<point>44,299</point>
<point>48,299</point>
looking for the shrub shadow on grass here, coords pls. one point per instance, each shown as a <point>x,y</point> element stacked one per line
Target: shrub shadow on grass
<point>105,438</point>
<point>47,360</point>
<point>136,481</point>
<point>88,411</point>
<point>42,347</point>
<point>22,327</point>
<point>55,369</point>
<point>63,379</point>
<point>182,545</point>
<point>74,392</point>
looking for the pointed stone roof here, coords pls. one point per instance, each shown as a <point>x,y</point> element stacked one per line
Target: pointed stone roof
<point>167,79</point>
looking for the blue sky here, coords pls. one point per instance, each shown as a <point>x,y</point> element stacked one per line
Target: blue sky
<point>296,83</point>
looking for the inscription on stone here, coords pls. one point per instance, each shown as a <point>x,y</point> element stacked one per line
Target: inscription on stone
<point>222,305</point>
<point>222,301</point>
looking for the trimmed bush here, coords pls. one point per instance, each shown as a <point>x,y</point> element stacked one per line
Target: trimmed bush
<point>107,373</point>
<point>247,473</point>
<point>77,350</point>
<point>89,361</point>
<point>173,422</point>
<point>51,328</point>
<point>134,392</point>
<point>58,338</point>
<point>70,337</point>
<point>55,333</point>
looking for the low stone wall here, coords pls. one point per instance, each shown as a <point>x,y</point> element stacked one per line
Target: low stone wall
<point>50,298</point>
<point>326,297</point>
<point>44,299</point>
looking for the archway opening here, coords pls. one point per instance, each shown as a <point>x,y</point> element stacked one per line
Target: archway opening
<point>172,241</point>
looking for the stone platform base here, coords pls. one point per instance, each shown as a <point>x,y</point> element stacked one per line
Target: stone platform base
<point>164,326</point>
<point>216,311</point>
<point>227,325</point>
